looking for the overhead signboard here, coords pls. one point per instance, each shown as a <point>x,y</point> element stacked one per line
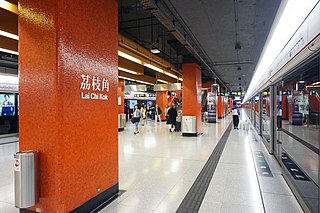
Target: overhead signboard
<point>313,92</point>
<point>139,95</point>
<point>223,93</point>
<point>286,93</point>
<point>301,86</point>
<point>174,86</point>
<point>8,87</point>
<point>135,88</point>
<point>167,87</point>
<point>160,87</point>
<point>215,88</point>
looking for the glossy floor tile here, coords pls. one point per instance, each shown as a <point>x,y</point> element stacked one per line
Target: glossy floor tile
<point>157,168</point>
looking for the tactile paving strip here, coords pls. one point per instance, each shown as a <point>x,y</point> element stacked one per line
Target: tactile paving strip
<point>192,201</point>
<point>262,165</point>
<point>293,169</point>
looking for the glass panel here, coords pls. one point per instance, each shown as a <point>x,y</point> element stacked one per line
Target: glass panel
<point>300,134</point>
<point>257,113</point>
<point>280,114</point>
<point>266,115</point>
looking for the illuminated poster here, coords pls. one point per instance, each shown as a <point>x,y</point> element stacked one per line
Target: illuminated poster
<point>7,104</point>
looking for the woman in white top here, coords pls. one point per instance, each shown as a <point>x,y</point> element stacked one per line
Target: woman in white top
<point>136,118</point>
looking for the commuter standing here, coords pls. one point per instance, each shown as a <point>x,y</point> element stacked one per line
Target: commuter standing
<point>235,115</point>
<point>166,112</point>
<point>158,114</point>
<point>179,117</point>
<point>136,118</point>
<point>279,115</point>
<point>172,118</point>
<point>126,111</point>
<point>143,114</point>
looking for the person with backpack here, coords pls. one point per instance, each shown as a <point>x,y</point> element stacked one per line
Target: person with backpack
<point>235,115</point>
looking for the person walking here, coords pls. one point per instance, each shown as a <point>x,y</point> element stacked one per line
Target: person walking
<point>172,118</point>
<point>158,113</point>
<point>143,114</point>
<point>126,111</point>
<point>235,115</point>
<point>136,118</point>
<point>166,112</point>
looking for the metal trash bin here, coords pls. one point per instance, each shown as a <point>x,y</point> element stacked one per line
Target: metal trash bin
<point>26,179</point>
<point>121,122</point>
<point>189,125</point>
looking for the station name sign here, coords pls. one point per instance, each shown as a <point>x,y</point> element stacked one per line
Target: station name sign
<point>94,88</point>
<point>237,93</point>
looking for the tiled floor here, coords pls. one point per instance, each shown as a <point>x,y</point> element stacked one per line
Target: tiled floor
<point>157,168</point>
<point>6,177</point>
<point>164,167</point>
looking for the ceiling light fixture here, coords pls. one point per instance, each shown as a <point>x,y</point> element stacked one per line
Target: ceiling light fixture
<point>129,71</point>
<point>162,81</point>
<point>9,6</point>
<point>8,51</point>
<point>153,67</point>
<point>129,57</point>
<point>138,61</point>
<point>171,75</point>
<point>9,35</point>
<point>155,51</point>
<point>131,79</point>
<point>316,83</point>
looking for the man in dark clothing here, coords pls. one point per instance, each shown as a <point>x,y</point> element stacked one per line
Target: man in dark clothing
<point>235,115</point>
<point>126,111</point>
<point>172,112</point>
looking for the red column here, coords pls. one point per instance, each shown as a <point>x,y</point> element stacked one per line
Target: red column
<point>162,101</point>
<point>284,107</point>
<point>68,52</point>
<point>121,96</point>
<point>191,97</point>
<point>221,107</point>
<point>230,104</point>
